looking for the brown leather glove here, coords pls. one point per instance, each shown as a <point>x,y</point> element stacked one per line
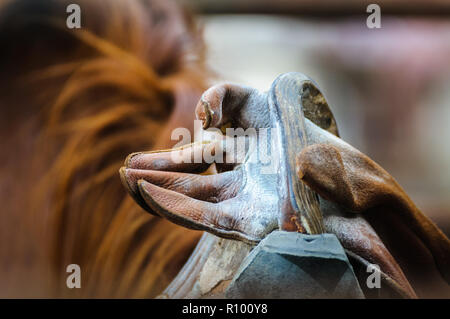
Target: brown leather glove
<point>373,218</point>
<point>343,175</point>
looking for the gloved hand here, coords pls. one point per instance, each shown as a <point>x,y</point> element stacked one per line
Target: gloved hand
<point>381,223</point>
<point>238,203</point>
<point>373,218</point>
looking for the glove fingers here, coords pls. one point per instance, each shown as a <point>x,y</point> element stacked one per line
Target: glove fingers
<point>188,158</point>
<point>211,188</point>
<point>241,106</point>
<point>222,220</point>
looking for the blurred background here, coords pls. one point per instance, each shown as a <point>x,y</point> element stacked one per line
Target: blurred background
<point>75,102</point>
<point>389,88</point>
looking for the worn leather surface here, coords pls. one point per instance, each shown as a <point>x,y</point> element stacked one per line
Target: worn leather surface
<point>373,217</point>
<point>388,227</point>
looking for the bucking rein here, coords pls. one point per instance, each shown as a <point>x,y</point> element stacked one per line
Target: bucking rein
<point>310,228</point>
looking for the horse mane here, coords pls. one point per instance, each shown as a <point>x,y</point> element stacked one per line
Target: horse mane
<point>74,103</point>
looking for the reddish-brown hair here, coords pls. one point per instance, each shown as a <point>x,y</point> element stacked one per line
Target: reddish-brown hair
<point>73,104</point>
